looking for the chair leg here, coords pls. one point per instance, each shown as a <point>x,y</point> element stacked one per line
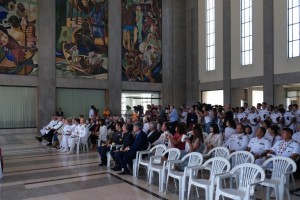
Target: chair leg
<point>293,181</point>
<point>167,180</point>
<point>288,193</point>
<point>181,190</point>
<point>207,196</point>
<point>268,193</point>
<point>77,149</point>
<point>161,182</point>
<point>189,191</point>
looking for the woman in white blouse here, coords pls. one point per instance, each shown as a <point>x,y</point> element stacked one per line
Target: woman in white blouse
<point>214,139</point>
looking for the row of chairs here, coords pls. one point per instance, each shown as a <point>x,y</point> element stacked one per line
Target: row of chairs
<point>236,166</point>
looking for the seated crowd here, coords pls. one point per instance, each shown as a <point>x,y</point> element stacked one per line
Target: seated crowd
<point>261,130</point>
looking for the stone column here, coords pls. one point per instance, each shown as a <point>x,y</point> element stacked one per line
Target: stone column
<point>192,52</point>
<point>114,57</point>
<point>46,62</point>
<point>268,80</point>
<point>227,51</point>
<point>174,51</point>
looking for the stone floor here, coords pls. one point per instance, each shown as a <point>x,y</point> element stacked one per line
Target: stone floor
<point>34,171</point>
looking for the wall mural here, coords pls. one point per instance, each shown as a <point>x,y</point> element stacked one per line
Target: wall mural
<point>81,38</point>
<point>18,37</point>
<point>141,41</point>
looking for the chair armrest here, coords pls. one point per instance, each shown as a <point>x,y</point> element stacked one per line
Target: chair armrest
<point>224,175</point>
<point>144,152</point>
<point>174,161</point>
<point>196,167</point>
<point>255,183</point>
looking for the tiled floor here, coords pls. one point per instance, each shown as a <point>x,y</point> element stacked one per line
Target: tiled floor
<point>34,171</point>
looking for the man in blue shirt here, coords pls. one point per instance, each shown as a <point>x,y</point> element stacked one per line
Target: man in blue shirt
<point>173,117</point>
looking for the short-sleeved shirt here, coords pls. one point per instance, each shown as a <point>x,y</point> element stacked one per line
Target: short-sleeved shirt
<point>286,149</point>
<point>237,142</point>
<point>275,117</point>
<point>259,146</point>
<point>296,137</point>
<point>288,116</point>
<point>263,114</point>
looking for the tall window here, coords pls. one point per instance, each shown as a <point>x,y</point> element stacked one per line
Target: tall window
<point>210,36</point>
<point>246,32</point>
<point>293,28</point>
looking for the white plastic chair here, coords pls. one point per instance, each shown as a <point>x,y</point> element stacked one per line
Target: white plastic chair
<point>108,156</point>
<point>135,162</point>
<point>84,141</point>
<point>161,169</point>
<point>282,167</point>
<point>194,159</point>
<point>218,166</point>
<point>157,150</point>
<point>249,176</point>
<point>240,157</point>
<point>217,152</point>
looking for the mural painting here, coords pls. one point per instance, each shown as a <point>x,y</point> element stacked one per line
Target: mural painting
<point>81,38</point>
<point>141,41</point>
<point>18,37</point>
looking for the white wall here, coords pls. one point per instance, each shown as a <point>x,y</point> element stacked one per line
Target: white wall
<point>217,74</point>
<point>282,64</point>
<point>256,69</point>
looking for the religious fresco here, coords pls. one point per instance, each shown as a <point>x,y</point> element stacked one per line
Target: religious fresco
<point>18,37</point>
<point>141,41</point>
<point>82,38</point>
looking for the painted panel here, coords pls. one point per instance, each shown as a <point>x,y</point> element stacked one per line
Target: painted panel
<point>82,38</point>
<point>18,37</point>
<point>141,41</point>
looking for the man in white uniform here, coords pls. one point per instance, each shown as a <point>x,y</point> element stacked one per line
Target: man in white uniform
<point>81,130</point>
<point>259,146</point>
<point>286,147</point>
<point>289,119</point>
<point>47,128</point>
<point>238,141</point>
<point>264,113</point>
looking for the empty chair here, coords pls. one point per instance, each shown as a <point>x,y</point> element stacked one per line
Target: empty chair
<point>217,152</point>
<point>194,159</point>
<point>157,150</point>
<point>161,169</point>
<point>84,141</point>
<point>249,175</point>
<point>281,167</point>
<point>240,157</point>
<point>218,166</point>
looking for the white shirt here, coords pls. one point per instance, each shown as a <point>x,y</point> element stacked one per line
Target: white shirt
<point>183,117</point>
<point>146,127</point>
<point>247,111</point>
<point>237,142</point>
<point>251,117</point>
<point>103,133</point>
<point>241,116</point>
<point>51,124</point>
<point>296,137</point>
<point>76,131</point>
<point>259,146</point>
<point>65,129</point>
<point>270,137</point>
<point>214,139</point>
<point>91,113</point>
<point>58,125</point>
<point>263,114</point>
<point>275,117</point>
<point>297,115</point>
<point>228,132</point>
<point>286,149</point>
<point>288,116</point>
<point>83,130</point>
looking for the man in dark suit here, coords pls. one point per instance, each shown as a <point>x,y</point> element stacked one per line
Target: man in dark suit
<point>140,143</point>
<point>153,133</point>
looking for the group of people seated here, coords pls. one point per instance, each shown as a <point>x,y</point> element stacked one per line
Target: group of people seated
<point>261,130</point>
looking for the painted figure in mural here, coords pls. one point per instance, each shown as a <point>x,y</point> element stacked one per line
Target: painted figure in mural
<point>83,36</point>
<point>15,30</point>
<point>13,53</point>
<point>97,18</point>
<point>30,32</point>
<point>139,21</point>
<point>22,13</point>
